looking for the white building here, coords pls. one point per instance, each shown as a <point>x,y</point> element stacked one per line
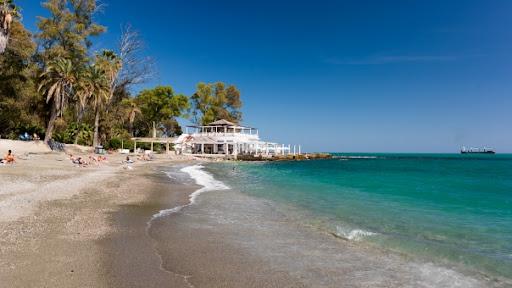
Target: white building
<point>221,138</point>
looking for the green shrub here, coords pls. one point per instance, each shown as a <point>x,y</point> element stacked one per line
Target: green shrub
<point>81,133</point>
<point>114,143</point>
<point>145,146</point>
<point>128,144</point>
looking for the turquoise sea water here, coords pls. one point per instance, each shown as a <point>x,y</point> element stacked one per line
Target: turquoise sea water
<point>445,208</point>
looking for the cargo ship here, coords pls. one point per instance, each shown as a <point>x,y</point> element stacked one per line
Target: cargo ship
<point>472,150</point>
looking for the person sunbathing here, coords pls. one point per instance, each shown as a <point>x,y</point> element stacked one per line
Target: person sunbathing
<point>73,159</point>
<point>78,160</point>
<point>9,158</point>
<point>145,157</point>
<point>128,160</point>
<point>93,159</point>
<point>82,162</point>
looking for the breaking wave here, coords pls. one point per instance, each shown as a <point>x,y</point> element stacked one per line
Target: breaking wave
<point>353,234</point>
<point>202,178</point>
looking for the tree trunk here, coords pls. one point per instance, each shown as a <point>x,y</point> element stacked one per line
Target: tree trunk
<point>4,39</point>
<point>5,25</point>
<point>130,128</point>
<point>51,124</point>
<point>79,122</point>
<point>95,141</point>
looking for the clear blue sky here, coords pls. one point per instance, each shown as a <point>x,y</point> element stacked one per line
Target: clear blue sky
<point>391,76</point>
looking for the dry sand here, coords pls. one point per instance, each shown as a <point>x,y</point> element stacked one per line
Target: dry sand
<point>23,147</point>
<point>66,226</point>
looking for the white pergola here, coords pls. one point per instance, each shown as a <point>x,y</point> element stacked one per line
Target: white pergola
<point>166,140</point>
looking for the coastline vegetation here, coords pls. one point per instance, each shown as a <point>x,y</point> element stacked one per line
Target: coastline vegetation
<point>53,84</point>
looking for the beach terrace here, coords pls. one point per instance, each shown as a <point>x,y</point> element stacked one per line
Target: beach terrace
<point>226,139</point>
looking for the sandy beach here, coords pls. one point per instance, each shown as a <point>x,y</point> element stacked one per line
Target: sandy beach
<point>114,226</point>
<point>255,144</point>
<point>66,226</point>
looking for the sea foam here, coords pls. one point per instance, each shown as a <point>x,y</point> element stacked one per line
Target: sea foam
<point>353,234</point>
<point>202,178</point>
<point>355,157</point>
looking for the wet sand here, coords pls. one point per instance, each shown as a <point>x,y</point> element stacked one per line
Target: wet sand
<point>209,259</point>
<point>62,226</point>
<point>229,239</point>
<point>128,255</point>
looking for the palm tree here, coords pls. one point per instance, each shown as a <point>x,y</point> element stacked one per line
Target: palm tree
<point>111,64</point>
<point>131,112</point>
<point>8,10</point>
<point>82,90</point>
<point>95,88</point>
<point>57,84</point>
<point>82,95</point>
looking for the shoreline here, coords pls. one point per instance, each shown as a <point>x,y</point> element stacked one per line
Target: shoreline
<point>128,251</point>
<point>219,219</point>
<point>138,227</point>
<point>207,260</point>
<point>56,221</point>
